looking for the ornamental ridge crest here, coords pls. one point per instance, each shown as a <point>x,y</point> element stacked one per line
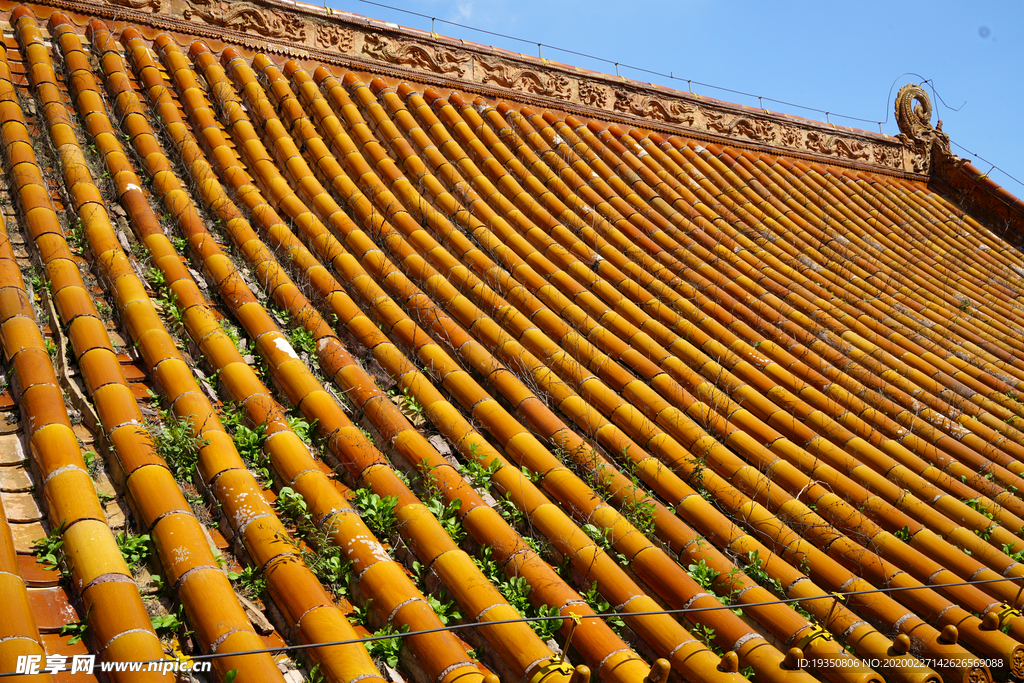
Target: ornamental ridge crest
<point>282,27</point>
<point>922,142</point>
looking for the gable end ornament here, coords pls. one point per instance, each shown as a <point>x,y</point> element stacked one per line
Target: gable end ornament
<point>925,146</point>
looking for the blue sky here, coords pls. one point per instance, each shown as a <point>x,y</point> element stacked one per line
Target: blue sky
<point>838,57</point>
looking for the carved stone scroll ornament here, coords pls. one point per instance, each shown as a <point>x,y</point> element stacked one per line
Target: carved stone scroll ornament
<point>248,18</point>
<point>792,136</point>
<point>888,155</point>
<point>922,148</point>
<point>837,146</point>
<point>744,126</point>
<point>594,94</point>
<point>551,84</point>
<point>913,111</point>
<point>333,36</point>
<point>153,6</point>
<point>921,141</point>
<point>427,57</point>
<point>655,108</point>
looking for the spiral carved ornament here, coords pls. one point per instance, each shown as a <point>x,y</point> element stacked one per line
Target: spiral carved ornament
<point>913,110</point>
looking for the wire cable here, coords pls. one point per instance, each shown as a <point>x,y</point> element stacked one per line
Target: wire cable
<point>994,167</point>
<point>930,82</point>
<point>669,75</point>
<point>839,596</point>
<point>691,82</point>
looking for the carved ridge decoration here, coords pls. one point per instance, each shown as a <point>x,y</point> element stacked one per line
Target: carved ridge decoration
<point>976,197</point>
<point>334,36</point>
<point>921,141</point>
<point>888,155</point>
<point>437,59</point>
<point>655,108</point>
<point>914,120</point>
<point>270,26</point>
<point>552,84</point>
<point>970,188</point>
<point>593,94</point>
<point>837,146</point>
<point>791,136</point>
<point>758,129</point>
<point>744,126</point>
<point>145,5</point>
<point>248,18</point>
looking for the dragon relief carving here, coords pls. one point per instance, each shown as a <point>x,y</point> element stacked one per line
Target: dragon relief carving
<point>526,80</point>
<point>914,120</point>
<point>655,108</point>
<point>153,6</point>
<point>921,141</point>
<point>248,18</point>
<point>748,127</point>
<point>836,146</point>
<point>437,59</point>
<point>334,36</point>
<point>594,94</point>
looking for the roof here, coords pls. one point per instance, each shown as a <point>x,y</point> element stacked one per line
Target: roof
<point>317,328</point>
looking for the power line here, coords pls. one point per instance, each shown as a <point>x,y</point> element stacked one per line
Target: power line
<point>994,167</point>
<point>837,596</point>
<point>669,75</point>
<point>691,82</point>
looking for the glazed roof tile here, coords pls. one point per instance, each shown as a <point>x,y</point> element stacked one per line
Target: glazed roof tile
<point>317,327</point>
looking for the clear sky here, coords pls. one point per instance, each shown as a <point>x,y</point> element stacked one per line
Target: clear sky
<point>840,57</point>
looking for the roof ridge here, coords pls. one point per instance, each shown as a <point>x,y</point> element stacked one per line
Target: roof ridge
<point>304,31</point>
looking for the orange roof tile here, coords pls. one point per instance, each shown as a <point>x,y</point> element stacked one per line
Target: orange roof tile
<point>318,328</point>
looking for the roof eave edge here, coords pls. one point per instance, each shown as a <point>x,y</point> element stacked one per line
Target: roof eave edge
<point>978,194</point>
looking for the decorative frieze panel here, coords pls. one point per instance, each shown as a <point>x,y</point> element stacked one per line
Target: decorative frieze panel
<point>836,146</point>
<point>141,5</point>
<point>656,108</point>
<point>790,136</point>
<point>748,127</point>
<point>302,31</point>
<point>434,58</point>
<point>594,94</point>
<point>333,36</point>
<point>500,72</point>
<point>248,17</point>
